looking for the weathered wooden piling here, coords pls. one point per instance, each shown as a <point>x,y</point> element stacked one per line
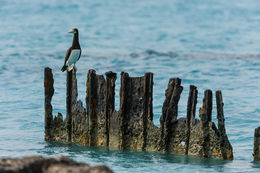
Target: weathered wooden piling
<point>191,112</point>
<point>100,107</point>
<point>221,122</point>
<point>135,110</point>
<point>170,112</point>
<point>110,100</point>
<point>69,103</point>
<point>220,113</point>
<point>256,152</point>
<point>205,117</point>
<point>78,113</point>
<point>71,99</point>
<point>48,93</point>
<point>147,106</point>
<point>131,127</point>
<point>96,106</point>
<point>225,146</point>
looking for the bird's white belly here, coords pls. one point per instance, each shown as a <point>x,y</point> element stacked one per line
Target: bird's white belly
<point>73,58</point>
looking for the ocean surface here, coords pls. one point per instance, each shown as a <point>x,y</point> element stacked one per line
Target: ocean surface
<point>211,44</point>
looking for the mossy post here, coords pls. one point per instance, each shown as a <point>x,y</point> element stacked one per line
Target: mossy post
<point>100,106</point>
<point>91,107</point>
<point>94,84</point>
<point>69,104</point>
<point>170,112</point>
<point>48,93</point>
<point>256,152</point>
<point>110,100</point>
<point>147,105</point>
<point>135,111</point>
<point>123,119</point>
<point>71,99</point>
<point>191,111</point>
<point>221,121</point>
<point>205,118</point>
<point>224,142</point>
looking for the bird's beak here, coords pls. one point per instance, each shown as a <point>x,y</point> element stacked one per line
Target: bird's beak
<point>71,31</point>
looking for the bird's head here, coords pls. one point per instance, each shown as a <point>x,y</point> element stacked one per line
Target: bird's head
<point>74,31</point>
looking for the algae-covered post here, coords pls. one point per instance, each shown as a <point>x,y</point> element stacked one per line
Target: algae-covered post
<point>220,113</point>
<point>71,99</point>
<point>68,103</point>
<point>205,117</point>
<point>148,105</point>
<point>256,152</point>
<point>135,110</point>
<point>170,112</point>
<point>221,123</point>
<point>191,111</point>
<point>99,107</point>
<point>110,100</point>
<point>48,93</point>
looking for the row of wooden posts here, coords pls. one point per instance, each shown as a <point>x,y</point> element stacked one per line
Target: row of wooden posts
<point>131,127</point>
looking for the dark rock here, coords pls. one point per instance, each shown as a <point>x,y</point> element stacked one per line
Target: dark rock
<point>48,165</point>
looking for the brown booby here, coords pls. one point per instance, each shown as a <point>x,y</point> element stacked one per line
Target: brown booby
<point>73,53</point>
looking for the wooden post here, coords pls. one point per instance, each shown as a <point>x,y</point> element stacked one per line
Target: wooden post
<point>191,111</point>
<point>123,110</point>
<point>110,99</point>
<point>170,112</point>
<point>97,105</point>
<point>135,110</point>
<point>148,105</point>
<point>91,101</point>
<point>48,93</point>
<point>69,104</point>
<point>148,93</point>
<point>221,122</point>
<point>205,117</point>
<point>256,152</point>
<point>220,113</point>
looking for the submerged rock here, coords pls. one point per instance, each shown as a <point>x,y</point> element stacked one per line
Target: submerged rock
<point>48,165</point>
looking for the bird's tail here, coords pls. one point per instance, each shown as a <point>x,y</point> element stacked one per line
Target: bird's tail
<point>63,68</point>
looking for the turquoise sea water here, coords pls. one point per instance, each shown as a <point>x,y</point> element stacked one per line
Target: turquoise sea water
<point>211,44</point>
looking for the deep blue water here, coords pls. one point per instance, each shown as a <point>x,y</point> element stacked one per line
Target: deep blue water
<point>211,44</point>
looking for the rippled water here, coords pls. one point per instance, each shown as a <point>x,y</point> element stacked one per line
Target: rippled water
<point>211,44</point>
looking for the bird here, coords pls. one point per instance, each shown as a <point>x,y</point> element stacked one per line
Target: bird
<point>73,53</point>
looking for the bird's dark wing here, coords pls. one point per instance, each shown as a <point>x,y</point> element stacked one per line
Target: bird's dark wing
<point>65,59</point>
<point>67,55</point>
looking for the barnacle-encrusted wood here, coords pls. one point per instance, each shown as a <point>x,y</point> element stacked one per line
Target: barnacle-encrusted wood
<point>256,152</point>
<point>131,127</point>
